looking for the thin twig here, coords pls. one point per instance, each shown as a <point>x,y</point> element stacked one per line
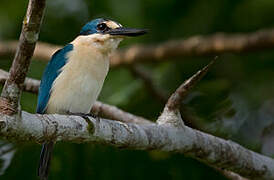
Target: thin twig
<point>140,72</point>
<point>229,174</point>
<point>159,94</point>
<point>114,113</point>
<point>176,98</point>
<point>18,71</point>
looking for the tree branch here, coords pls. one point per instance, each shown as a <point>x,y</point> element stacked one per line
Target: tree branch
<point>29,35</point>
<point>108,112</point>
<point>194,46</point>
<point>114,113</point>
<point>30,85</point>
<point>197,46</point>
<point>43,51</point>
<point>159,94</point>
<point>230,175</point>
<point>165,137</point>
<point>177,97</point>
<point>172,109</point>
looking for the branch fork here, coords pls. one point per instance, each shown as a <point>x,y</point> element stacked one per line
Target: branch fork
<point>171,114</point>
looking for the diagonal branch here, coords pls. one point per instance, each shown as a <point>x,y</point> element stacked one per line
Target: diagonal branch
<point>171,114</point>
<point>171,117</point>
<point>230,175</point>
<point>29,35</point>
<point>157,92</point>
<point>177,97</point>
<point>160,95</point>
<point>149,83</point>
<point>112,112</point>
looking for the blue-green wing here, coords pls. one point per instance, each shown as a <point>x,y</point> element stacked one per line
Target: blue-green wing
<point>52,70</point>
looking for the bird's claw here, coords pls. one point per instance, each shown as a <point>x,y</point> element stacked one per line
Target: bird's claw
<point>85,116</point>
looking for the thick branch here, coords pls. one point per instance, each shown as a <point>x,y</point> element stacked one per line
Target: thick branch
<point>29,35</point>
<point>207,148</point>
<point>194,46</point>
<point>103,110</point>
<point>172,109</point>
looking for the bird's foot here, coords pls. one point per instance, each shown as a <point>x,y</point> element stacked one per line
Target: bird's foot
<point>85,115</point>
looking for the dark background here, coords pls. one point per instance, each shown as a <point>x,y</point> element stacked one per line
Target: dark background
<point>234,101</point>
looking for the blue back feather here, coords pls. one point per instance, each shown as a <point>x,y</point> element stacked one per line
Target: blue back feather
<point>52,70</point>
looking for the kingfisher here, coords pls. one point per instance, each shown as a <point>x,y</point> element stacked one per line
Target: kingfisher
<point>75,75</point>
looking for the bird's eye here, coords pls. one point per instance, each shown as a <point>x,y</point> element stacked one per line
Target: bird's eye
<point>102,27</point>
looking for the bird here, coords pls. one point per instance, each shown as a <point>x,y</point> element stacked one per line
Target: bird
<point>73,78</point>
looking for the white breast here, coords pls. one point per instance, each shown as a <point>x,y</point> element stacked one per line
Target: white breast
<point>80,82</point>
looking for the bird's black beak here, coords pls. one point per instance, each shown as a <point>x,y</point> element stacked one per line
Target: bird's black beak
<point>126,31</point>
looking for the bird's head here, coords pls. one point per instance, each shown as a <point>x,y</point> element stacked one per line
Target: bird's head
<point>106,34</point>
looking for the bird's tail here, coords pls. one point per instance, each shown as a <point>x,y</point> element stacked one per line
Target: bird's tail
<point>45,158</point>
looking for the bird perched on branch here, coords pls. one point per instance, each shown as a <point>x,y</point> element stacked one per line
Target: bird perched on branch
<point>75,75</point>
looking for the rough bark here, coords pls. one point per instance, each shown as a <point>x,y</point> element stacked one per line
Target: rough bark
<point>29,35</point>
<point>212,150</point>
<point>110,112</point>
<point>167,117</point>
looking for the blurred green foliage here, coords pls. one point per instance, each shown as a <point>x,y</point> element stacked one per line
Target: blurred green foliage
<point>232,101</point>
